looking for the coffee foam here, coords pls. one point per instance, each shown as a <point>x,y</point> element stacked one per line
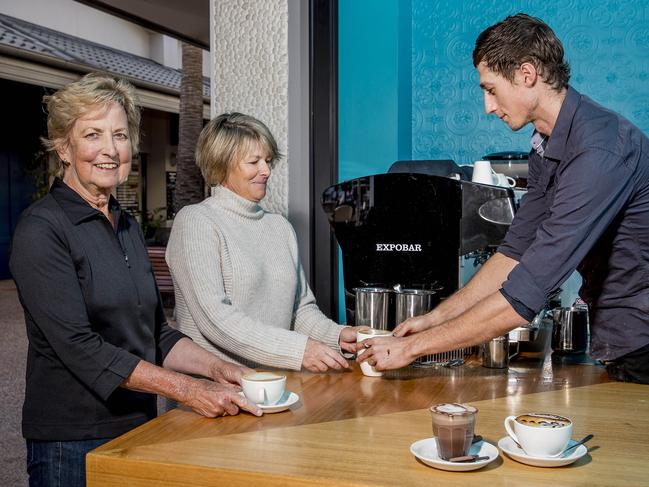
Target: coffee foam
<point>375,332</point>
<point>453,409</point>
<point>542,420</point>
<point>263,376</point>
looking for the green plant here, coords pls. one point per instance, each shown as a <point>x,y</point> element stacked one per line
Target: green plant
<point>152,220</point>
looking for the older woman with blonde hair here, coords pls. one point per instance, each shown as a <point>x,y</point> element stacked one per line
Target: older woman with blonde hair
<point>240,290</point>
<point>99,345</point>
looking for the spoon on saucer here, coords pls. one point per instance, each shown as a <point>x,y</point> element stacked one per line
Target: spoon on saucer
<point>468,458</point>
<point>580,442</point>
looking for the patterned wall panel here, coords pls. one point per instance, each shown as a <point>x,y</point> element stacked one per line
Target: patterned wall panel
<point>250,74</point>
<point>606,43</point>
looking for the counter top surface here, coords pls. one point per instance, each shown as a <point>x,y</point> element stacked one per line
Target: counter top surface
<point>348,429</point>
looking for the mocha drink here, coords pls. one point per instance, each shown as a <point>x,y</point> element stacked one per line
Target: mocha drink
<point>453,426</point>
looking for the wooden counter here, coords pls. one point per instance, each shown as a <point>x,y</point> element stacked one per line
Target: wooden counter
<point>349,429</point>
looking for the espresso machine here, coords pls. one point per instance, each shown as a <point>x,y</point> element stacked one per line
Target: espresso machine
<point>412,231</point>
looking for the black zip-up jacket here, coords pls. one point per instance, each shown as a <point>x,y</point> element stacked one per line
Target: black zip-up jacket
<point>92,311</point>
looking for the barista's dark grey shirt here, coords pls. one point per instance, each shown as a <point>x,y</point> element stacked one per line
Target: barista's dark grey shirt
<point>587,208</point>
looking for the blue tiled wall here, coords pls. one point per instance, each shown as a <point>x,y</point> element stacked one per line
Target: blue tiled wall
<point>606,43</point>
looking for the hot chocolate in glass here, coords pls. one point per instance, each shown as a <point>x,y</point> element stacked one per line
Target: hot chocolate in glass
<point>453,426</point>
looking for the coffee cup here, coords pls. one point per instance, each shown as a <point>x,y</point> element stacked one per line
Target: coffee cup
<point>263,387</point>
<point>500,179</point>
<point>482,172</point>
<point>453,427</point>
<point>362,335</point>
<point>540,434</point>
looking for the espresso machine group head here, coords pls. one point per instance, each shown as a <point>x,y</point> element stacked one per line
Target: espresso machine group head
<point>412,229</point>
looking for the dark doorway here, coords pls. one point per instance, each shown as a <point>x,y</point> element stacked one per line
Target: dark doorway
<point>21,126</point>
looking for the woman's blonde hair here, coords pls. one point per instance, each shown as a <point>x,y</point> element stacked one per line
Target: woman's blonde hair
<point>73,101</point>
<point>225,139</point>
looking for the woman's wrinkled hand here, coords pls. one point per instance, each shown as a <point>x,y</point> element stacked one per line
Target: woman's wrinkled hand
<point>211,399</point>
<point>318,357</point>
<point>228,373</point>
<point>347,339</point>
<point>385,353</point>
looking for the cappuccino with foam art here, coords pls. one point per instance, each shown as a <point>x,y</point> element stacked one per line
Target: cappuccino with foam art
<point>539,420</point>
<point>540,434</point>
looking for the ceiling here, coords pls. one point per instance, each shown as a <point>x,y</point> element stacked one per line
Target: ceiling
<point>187,20</point>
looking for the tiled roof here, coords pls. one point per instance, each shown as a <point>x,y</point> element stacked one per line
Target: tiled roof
<point>33,38</point>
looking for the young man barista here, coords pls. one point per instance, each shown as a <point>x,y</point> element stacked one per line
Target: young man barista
<point>586,208</point>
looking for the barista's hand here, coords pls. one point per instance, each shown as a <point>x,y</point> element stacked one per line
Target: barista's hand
<point>211,399</point>
<point>226,372</point>
<point>318,357</point>
<point>347,339</point>
<point>414,325</point>
<point>386,353</point>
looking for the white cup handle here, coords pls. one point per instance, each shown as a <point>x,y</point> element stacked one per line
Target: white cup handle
<point>262,396</point>
<point>511,181</point>
<point>509,429</point>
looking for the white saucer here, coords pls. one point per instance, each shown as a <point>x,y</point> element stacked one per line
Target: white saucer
<point>286,401</point>
<point>512,450</point>
<point>426,451</point>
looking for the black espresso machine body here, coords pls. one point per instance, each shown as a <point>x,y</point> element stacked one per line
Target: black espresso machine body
<point>412,229</point>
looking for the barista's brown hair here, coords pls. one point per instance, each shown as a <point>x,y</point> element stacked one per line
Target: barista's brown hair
<point>73,101</point>
<point>225,139</point>
<point>519,39</point>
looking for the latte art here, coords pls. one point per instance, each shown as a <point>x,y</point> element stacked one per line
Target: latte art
<point>543,420</point>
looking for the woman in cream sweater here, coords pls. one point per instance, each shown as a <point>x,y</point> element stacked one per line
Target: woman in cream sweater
<point>240,289</point>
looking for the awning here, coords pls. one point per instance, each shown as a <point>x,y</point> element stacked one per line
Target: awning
<point>33,54</point>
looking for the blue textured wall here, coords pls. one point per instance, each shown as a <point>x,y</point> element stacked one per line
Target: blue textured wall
<point>606,44</point>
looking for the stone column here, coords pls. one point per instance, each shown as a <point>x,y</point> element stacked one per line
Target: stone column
<point>250,74</point>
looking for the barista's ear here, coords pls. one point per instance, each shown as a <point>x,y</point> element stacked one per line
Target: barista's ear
<point>528,74</point>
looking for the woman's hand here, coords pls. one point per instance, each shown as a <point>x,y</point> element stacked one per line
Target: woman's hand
<point>414,325</point>
<point>347,339</point>
<point>225,372</point>
<point>318,357</point>
<point>386,353</point>
<point>211,399</point>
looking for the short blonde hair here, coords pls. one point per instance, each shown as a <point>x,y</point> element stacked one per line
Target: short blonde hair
<point>73,101</point>
<point>225,139</point>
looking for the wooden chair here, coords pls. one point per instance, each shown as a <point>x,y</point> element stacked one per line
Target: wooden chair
<point>161,273</point>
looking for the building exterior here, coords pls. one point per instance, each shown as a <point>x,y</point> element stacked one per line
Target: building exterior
<point>45,45</point>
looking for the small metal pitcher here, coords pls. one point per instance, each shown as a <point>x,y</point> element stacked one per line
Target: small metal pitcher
<point>570,329</point>
<point>495,353</point>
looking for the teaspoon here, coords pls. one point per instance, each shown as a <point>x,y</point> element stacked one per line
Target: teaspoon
<point>580,442</point>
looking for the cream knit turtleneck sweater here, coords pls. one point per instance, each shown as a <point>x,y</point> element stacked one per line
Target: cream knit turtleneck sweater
<point>240,290</point>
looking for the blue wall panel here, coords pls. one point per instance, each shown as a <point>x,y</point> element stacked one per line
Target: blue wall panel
<point>606,43</point>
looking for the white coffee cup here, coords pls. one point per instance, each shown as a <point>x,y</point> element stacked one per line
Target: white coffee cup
<point>482,172</point>
<point>263,387</point>
<point>540,434</point>
<point>367,369</point>
<point>501,179</point>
